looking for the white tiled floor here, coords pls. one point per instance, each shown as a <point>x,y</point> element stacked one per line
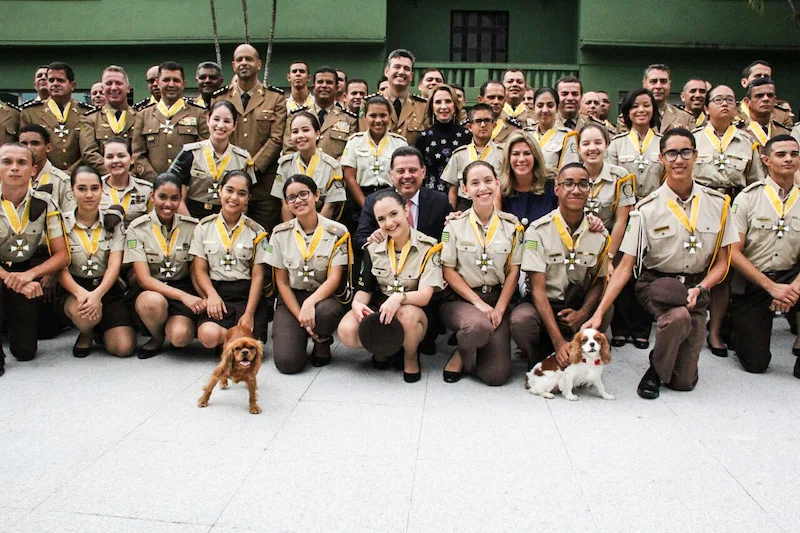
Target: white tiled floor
<point>102,444</point>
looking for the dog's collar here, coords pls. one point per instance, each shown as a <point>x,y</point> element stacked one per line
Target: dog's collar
<point>596,361</point>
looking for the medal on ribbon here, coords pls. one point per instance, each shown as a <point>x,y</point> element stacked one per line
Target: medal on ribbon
<point>494,224</point>
<point>781,208</point>
<point>90,245</point>
<point>228,241</point>
<point>721,159</point>
<point>397,266</point>
<point>690,224</point>
<point>61,130</point>
<point>167,268</point>
<point>216,170</point>
<point>307,252</point>
<point>572,245</point>
<point>641,160</point>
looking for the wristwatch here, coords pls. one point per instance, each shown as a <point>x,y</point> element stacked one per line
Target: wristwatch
<point>702,289</point>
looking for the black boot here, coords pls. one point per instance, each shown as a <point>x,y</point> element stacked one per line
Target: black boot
<point>649,385</point>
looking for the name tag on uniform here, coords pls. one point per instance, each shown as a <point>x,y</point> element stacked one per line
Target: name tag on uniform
<point>188,121</point>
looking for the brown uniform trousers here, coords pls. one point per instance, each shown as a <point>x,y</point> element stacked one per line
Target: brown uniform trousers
<point>290,339</point>
<point>260,132</point>
<point>9,123</point>
<point>96,131</point>
<point>679,333</point>
<point>486,352</point>
<point>155,148</point>
<point>66,153</point>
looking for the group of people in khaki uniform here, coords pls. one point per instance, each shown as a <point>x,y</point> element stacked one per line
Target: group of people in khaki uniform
<point>188,216</point>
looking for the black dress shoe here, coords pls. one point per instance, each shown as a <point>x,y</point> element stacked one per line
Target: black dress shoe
<point>80,353</point>
<point>719,352</point>
<point>618,341</point>
<point>796,351</point>
<point>448,375</point>
<point>649,385</point>
<point>797,369</point>
<point>413,377</point>
<point>145,353</point>
<point>641,344</point>
<point>321,355</point>
<point>2,370</point>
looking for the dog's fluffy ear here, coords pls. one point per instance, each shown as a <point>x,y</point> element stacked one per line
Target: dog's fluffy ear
<point>259,349</point>
<point>576,349</point>
<point>605,348</point>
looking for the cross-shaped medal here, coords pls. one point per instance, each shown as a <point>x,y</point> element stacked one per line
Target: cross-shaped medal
<point>167,269</point>
<point>721,161</point>
<point>167,127</point>
<point>213,190</point>
<point>228,262</point>
<point>20,247</point>
<point>395,286</point>
<point>641,162</point>
<point>90,268</point>
<point>377,167</point>
<point>592,206</point>
<point>693,244</point>
<point>61,131</point>
<point>484,262</point>
<point>305,272</point>
<point>571,260</point>
<point>780,227</point>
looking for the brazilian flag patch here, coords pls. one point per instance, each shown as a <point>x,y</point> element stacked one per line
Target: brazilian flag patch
<point>627,228</point>
<point>532,245</point>
<point>445,236</point>
<point>733,208</point>
<point>132,244</point>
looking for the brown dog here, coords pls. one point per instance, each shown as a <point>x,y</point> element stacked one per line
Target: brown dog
<point>241,359</point>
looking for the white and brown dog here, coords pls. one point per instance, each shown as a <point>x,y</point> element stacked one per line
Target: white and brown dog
<point>589,351</point>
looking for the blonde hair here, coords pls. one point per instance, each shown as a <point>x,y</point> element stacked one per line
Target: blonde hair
<point>508,180</point>
<point>456,103</point>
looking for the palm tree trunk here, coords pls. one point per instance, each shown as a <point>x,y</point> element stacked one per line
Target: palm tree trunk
<point>246,23</point>
<point>271,39</point>
<point>216,33</point>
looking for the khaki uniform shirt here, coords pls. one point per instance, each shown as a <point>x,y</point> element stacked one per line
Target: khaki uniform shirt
<point>522,114</point>
<point>82,263</point>
<point>307,275</point>
<point>546,252</point>
<point>96,130</point>
<point>453,173</point>
<point>168,261</point>
<point>66,153</point>
<point>334,130</point>
<point>738,164</point>
<point>482,266</point>
<point>134,199</point>
<point>293,105</point>
<point>370,171</point>
<point>202,186</point>
<point>615,187</point>
<point>325,172</point>
<point>760,135</point>
<point>772,242</point>
<point>62,189</point>
<point>17,248</point>
<point>261,125</point>
<point>580,121</point>
<point>559,146</point>
<point>236,263</point>
<point>796,132</point>
<point>158,140</point>
<point>9,123</point>
<point>666,243</point>
<point>647,169</point>
<point>672,117</point>
<point>422,269</point>
<point>781,115</point>
<point>412,121</point>
<point>506,127</point>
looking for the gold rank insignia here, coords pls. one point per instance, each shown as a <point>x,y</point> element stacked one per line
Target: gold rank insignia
<point>341,126</point>
<point>188,121</point>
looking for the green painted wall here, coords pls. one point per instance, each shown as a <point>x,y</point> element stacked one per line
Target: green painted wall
<point>540,31</point>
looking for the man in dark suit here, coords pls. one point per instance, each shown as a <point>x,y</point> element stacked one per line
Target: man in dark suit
<point>427,212</point>
<point>428,208</point>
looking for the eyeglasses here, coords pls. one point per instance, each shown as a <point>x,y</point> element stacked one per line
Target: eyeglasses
<point>481,121</point>
<point>672,155</point>
<point>569,185</point>
<point>719,100</point>
<point>302,195</point>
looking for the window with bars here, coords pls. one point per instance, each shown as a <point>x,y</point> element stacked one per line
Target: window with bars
<point>479,36</point>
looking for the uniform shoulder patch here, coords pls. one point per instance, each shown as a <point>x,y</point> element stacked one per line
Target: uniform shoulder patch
<point>373,94</point>
<point>419,98</point>
<point>349,113</point>
<point>283,226</point>
<point>84,105</point>
<point>275,89</point>
<point>143,104</point>
<point>739,122</point>
<point>336,230</point>
<point>221,91</point>
<point>32,103</point>
<point>191,102</point>
<point>514,122</point>
<point>255,226</point>
<point>301,108</point>
<point>15,107</point>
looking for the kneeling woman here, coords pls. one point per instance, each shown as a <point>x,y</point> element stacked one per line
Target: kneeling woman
<point>228,252</point>
<point>481,257</point>
<point>398,277</point>
<point>157,244</point>
<point>94,302</point>
<point>310,255</point>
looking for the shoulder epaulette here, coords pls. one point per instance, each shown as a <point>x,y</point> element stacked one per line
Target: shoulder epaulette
<point>15,107</point>
<point>713,192</point>
<point>427,240</point>
<point>285,157</point>
<point>186,218</point>
<point>698,129</point>
<point>464,123</point>
<point>92,111</point>
<point>514,122</point>
<point>419,98</point>
<point>459,216</point>
<point>209,218</point>
<point>239,150</point>
<point>143,182</point>
<point>32,103</point>
<point>618,171</point>
<point>193,146</point>
<point>596,120</point>
<point>782,107</point>
<point>546,219</point>
<point>86,106</point>
<point>647,199</point>
<point>339,231</point>
<point>143,104</point>
<point>253,225</point>
<point>221,91</point>
<point>508,217</point>
<point>283,226</point>
<point>140,221</point>
<point>191,102</point>
<point>328,159</point>
<point>112,217</point>
<point>755,185</point>
<point>373,94</point>
<point>301,108</point>
<point>276,89</point>
<point>348,112</point>
<point>393,134</point>
<point>461,148</point>
<point>619,135</point>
